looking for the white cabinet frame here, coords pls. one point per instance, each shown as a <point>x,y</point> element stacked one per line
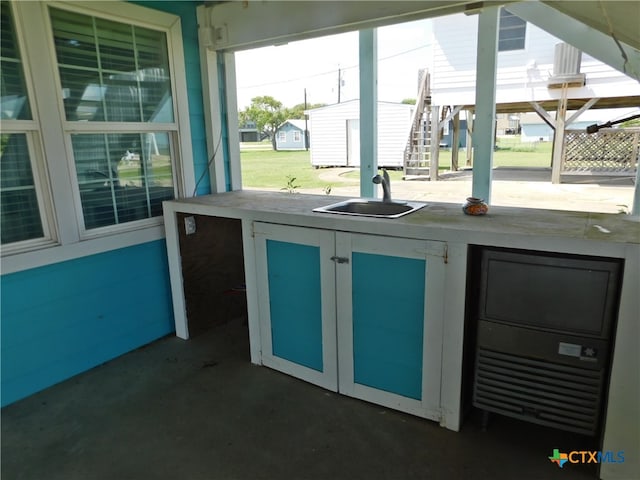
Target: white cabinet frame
<point>324,240</point>
<point>433,254</point>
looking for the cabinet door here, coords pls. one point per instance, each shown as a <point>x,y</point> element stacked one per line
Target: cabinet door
<point>296,299</point>
<point>389,305</point>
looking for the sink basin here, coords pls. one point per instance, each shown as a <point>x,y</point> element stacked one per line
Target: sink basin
<point>371,208</point>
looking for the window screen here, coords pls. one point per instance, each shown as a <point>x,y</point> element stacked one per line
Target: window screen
<point>20,212</point>
<point>116,74</point>
<point>512,32</point>
<point>19,207</point>
<point>13,101</point>
<point>122,177</point>
<point>111,71</point>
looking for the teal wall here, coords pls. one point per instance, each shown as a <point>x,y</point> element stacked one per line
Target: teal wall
<point>62,319</point>
<point>388,329</point>
<point>295,302</point>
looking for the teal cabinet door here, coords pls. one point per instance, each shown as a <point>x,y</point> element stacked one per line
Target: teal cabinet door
<point>296,299</point>
<point>390,321</point>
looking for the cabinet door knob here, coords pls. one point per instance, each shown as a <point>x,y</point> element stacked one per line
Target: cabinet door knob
<point>340,259</point>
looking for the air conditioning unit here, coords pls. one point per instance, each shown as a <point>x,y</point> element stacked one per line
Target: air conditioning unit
<point>566,67</point>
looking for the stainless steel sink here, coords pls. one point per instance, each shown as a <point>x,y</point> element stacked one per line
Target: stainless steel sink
<point>371,208</point>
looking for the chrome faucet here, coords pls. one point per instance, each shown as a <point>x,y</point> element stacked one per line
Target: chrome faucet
<point>386,185</point>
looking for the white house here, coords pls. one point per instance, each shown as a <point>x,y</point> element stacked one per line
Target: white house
<point>525,67</point>
<point>335,131</point>
<point>535,72</point>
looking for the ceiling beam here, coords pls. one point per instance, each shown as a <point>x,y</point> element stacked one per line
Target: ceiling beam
<point>253,24</point>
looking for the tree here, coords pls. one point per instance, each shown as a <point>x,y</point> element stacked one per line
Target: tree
<point>267,113</point>
<point>409,101</point>
<point>297,111</point>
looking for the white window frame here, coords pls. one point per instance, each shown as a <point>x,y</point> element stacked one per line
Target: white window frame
<point>282,136</point>
<point>297,136</point>
<point>53,133</point>
<point>30,129</point>
<point>41,187</point>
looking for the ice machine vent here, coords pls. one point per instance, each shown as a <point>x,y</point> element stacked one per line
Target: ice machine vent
<point>561,396</point>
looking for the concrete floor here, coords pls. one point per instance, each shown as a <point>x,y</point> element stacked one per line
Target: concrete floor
<point>198,409</point>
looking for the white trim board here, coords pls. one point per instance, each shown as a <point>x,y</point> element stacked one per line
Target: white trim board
<point>71,251</point>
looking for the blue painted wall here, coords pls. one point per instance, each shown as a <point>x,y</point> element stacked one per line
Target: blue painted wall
<point>62,319</point>
<point>289,143</point>
<point>447,139</point>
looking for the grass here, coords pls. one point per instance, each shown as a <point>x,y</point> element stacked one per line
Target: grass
<point>270,169</point>
<point>264,168</point>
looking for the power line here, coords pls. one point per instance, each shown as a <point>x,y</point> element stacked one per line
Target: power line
<point>330,72</point>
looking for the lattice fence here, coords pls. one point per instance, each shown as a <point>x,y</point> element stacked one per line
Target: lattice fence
<point>610,151</point>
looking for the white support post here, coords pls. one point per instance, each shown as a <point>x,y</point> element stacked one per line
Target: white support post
<point>455,141</point>
<point>484,128</point>
<point>635,209</point>
<point>233,138</point>
<point>368,111</point>
<point>558,137</point>
<point>469,147</point>
<point>434,154</point>
<point>211,103</point>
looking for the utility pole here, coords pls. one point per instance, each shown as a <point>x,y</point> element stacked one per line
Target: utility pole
<point>306,130</point>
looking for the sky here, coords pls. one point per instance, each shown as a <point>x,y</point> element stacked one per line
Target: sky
<point>284,72</point>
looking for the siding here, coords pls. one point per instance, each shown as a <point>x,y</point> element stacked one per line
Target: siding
<point>328,127</point>
<point>63,319</point>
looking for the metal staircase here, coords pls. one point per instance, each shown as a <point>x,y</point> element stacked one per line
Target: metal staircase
<point>417,153</point>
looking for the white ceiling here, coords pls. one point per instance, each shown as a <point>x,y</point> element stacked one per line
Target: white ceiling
<point>621,18</point>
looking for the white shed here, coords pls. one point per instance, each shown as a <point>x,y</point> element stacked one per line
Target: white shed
<point>335,134</point>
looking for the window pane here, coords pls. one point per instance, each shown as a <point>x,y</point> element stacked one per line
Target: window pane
<point>512,32</point>
<point>74,38</point>
<point>112,71</point>
<point>116,46</point>
<point>19,203</point>
<point>122,177</point>
<point>13,97</point>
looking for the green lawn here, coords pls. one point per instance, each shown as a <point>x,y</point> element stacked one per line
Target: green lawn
<point>265,168</point>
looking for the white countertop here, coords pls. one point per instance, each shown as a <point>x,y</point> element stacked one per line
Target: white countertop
<point>503,226</point>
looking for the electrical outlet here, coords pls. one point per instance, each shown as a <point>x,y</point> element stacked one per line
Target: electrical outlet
<point>190,225</point>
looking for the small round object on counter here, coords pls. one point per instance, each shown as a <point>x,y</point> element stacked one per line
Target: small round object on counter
<point>475,206</point>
